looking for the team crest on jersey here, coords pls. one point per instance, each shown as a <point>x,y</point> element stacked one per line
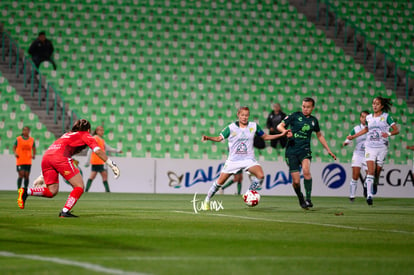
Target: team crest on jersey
<point>305,128</point>
<point>66,173</point>
<point>233,134</point>
<point>300,118</point>
<point>251,129</point>
<point>382,118</point>
<point>241,149</point>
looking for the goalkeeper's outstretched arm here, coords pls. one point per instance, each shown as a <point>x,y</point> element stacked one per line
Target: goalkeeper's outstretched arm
<point>102,155</point>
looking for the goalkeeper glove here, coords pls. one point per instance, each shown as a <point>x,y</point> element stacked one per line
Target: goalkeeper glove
<point>114,168</point>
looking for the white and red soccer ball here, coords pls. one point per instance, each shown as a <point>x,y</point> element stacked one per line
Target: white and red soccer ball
<point>251,198</point>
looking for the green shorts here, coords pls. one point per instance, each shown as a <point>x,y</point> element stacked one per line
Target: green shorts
<point>294,161</point>
<point>25,167</point>
<point>98,168</point>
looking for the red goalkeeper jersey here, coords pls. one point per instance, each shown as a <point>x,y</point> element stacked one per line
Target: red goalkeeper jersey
<point>71,143</point>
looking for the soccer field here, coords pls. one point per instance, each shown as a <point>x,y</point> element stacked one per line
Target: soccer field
<point>161,234</point>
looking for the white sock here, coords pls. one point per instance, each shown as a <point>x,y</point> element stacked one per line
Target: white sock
<point>369,182</point>
<point>213,189</point>
<point>256,183</point>
<point>352,189</point>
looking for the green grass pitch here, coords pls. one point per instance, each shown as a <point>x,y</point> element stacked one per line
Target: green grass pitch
<point>161,234</point>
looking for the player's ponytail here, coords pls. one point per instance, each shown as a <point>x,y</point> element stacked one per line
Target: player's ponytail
<point>386,103</point>
<point>81,125</point>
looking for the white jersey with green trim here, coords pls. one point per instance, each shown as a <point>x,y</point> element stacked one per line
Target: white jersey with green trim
<point>359,141</point>
<point>240,140</point>
<point>377,126</point>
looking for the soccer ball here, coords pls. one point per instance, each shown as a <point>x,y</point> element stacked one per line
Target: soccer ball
<point>251,198</point>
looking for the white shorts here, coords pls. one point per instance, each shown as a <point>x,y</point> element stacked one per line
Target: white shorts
<point>376,154</point>
<point>232,167</point>
<point>358,160</point>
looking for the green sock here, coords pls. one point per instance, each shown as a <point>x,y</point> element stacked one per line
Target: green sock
<point>19,182</point>
<point>298,192</point>
<point>239,186</point>
<point>308,188</point>
<point>26,183</point>
<point>88,185</point>
<point>230,182</point>
<point>105,183</point>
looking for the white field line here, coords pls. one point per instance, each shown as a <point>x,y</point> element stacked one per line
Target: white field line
<point>89,266</point>
<point>304,222</point>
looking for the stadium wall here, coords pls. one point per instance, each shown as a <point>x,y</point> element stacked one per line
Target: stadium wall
<point>195,176</point>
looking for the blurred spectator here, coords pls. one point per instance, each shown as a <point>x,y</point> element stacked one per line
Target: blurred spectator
<point>274,118</point>
<point>41,50</point>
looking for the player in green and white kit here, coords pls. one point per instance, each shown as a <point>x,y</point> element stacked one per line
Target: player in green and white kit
<point>376,145</point>
<point>358,157</point>
<point>240,136</point>
<point>298,150</point>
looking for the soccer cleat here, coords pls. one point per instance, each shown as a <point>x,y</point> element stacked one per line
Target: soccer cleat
<point>303,204</point>
<point>374,188</point>
<point>21,199</point>
<point>309,203</point>
<point>351,199</point>
<point>206,205</point>
<point>369,200</point>
<point>66,215</point>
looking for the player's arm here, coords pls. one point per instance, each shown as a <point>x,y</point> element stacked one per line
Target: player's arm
<point>102,155</point>
<point>33,151</point>
<point>360,133</point>
<point>348,141</point>
<point>88,157</point>
<point>111,149</point>
<point>91,142</point>
<point>395,131</point>
<point>264,136</point>
<point>215,139</point>
<point>322,140</point>
<point>14,149</point>
<point>270,137</point>
<point>282,128</point>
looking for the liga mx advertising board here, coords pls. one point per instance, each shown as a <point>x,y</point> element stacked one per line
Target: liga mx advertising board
<point>329,179</point>
<point>180,176</point>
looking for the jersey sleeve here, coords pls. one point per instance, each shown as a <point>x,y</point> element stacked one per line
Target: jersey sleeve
<point>225,133</point>
<point>390,121</point>
<point>288,119</point>
<point>317,128</point>
<point>90,141</point>
<point>259,130</point>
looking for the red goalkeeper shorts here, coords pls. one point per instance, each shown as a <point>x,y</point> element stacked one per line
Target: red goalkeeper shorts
<point>52,166</point>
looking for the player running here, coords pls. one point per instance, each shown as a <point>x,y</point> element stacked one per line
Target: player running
<point>298,150</point>
<point>358,157</point>
<point>240,135</point>
<point>58,160</point>
<point>376,145</point>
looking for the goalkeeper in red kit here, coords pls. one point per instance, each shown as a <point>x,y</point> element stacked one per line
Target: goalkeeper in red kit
<point>58,160</point>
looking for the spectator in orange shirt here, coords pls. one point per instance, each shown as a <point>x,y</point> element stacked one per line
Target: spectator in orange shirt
<point>98,166</point>
<point>24,150</point>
